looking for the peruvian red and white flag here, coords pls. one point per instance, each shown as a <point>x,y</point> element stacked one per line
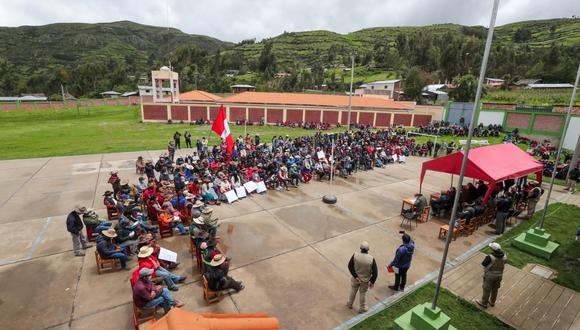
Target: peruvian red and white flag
<point>222,128</point>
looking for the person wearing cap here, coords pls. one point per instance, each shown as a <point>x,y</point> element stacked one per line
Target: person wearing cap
<point>91,220</point>
<point>494,265</point>
<point>173,220</point>
<point>148,295</point>
<point>109,250</point>
<point>402,262</point>
<point>147,259</point>
<point>115,181</point>
<point>363,268</point>
<point>217,275</point>
<point>74,225</point>
<point>210,222</point>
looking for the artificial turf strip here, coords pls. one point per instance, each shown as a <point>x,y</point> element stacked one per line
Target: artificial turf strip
<point>464,315</point>
<point>561,222</point>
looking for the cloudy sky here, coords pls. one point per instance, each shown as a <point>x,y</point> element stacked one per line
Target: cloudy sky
<point>234,20</point>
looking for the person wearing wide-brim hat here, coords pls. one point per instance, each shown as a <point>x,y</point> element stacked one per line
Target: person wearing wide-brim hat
<point>108,249</point>
<point>217,275</point>
<point>494,265</point>
<point>75,226</point>
<point>147,295</point>
<point>147,259</point>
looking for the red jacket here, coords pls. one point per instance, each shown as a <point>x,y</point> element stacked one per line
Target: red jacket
<point>149,262</point>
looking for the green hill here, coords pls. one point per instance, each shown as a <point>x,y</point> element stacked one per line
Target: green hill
<point>39,53</point>
<point>90,58</point>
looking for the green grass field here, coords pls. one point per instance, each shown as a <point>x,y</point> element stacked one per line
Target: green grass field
<point>561,221</point>
<point>463,314</point>
<point>90,130</point>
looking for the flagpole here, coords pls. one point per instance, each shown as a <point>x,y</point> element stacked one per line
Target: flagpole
<point>330,198</point>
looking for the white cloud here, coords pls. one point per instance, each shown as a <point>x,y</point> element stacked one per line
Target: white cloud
<point>236,20</point>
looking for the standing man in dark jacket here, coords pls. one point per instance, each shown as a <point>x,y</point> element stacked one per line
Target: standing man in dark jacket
<point>74,225</point>
<point>177,139</point>
<point>187,137</point>
<point>402,262</point>
<point>363,268</point>
<point>573,179</point>
<point>504,205</point>
<point>494,265</point>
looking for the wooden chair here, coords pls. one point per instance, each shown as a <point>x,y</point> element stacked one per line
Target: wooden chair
<point>105,264</point>
<point>91,235</point>
<point>210,296</point>
<point>113,214</point>
<point>165,231</point>
<point>141,315</point>
<point>424,217</point>
<point>444,229</point>
<point>471,227</point>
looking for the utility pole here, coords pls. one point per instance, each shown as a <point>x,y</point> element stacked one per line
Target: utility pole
<point>566,123</point>
<point>466,152</point>
<point>350,94</point>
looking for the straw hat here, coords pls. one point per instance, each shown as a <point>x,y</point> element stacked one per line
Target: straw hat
<point>198,203</point>
<point>207,210</point>
<point>217,260</point>
<point>124,182</point>
<point>110,233</point>
<point>198,221</point>
<point>114,172</point>
<point>145,251</point>
<point>80,209</point>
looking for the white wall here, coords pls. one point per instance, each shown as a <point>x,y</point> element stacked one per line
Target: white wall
<point>491,117</point>
<point>572,133</point>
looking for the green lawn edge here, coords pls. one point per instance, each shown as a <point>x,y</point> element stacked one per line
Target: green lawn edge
<point>463,314</point>
<point>561,222</point>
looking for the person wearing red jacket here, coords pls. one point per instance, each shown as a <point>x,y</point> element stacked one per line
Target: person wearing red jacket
<point>146,259</point>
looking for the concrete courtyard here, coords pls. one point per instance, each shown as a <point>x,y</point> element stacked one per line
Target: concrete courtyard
<point>289,248</point>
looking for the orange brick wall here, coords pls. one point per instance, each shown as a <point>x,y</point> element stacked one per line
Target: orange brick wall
<point>518,120</point>
<point>548,123</point>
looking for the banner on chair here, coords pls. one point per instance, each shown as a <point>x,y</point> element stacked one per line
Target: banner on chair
<point>231,196</point>
<point>261,187</point>
<point>241,192</point>
<point>250,186</point>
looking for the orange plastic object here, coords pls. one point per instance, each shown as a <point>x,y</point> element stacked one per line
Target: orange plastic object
<point>178,319</point>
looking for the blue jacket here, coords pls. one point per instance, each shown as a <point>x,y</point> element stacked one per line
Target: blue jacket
<point>404,255</point>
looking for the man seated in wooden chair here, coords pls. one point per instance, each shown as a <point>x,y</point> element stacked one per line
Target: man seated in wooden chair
<point>217,275</point>
<point>417,209</point>
<point>148,295</point>
<point>109,250</point>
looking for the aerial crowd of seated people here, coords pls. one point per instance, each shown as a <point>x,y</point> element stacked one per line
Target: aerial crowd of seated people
<point>177,196</point>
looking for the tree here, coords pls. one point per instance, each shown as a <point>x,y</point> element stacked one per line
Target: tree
<point>414,84</point>
<point>522,35</point>
<point>267,60</point>
<point>465,88</point>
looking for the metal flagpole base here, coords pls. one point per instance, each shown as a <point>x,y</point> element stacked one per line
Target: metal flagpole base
<point>423,317</point>
<point>329,199</point>
<point>536,241</point>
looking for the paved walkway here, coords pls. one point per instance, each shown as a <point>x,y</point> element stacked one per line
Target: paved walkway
<point>289,248</point>
<point>526,301</point>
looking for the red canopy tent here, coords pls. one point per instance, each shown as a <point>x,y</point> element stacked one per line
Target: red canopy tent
<point>491,164</point>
